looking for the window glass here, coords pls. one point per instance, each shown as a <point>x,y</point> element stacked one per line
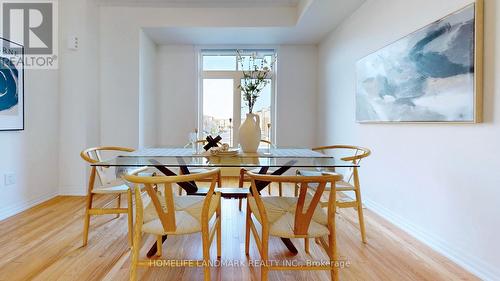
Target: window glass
<point>218,108</point>
<point>224,63</point>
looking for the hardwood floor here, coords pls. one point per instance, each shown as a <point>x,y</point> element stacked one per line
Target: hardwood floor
<point>44,243</point>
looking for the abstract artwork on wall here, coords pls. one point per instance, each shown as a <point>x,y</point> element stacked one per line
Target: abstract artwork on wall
<point>11,86</point>
<point>431,75</point>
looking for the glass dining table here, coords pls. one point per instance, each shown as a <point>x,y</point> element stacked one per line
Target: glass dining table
<point>275,161</point>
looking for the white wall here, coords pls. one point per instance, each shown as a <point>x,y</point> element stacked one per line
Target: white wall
<point>439,182</point>
<point>177,101</point>
<point>32,154</point>
<point>296,94</point>
<point>147,92</point>
<point>79,92</point>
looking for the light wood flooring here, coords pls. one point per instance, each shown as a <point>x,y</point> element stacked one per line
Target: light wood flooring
<point>44,243</point>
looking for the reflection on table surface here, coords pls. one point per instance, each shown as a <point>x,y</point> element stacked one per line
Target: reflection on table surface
<point>276,157</point>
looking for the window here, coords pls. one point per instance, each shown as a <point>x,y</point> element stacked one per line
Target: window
<point>222,106</point>
<point>211,62</point>
<point>218,108</point>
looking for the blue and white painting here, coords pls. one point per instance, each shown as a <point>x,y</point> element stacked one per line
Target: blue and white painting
<point>427,76</point>
<point>9,94</point>
<point>11,87</point>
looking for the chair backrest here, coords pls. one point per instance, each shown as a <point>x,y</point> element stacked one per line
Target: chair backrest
<point>348,153</point>
<point>159,188</point>
<point>303,213</point>
<point>95,155</point>
<point>268,143</point>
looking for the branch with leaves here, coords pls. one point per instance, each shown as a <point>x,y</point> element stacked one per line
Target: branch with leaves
<point>255,78</point>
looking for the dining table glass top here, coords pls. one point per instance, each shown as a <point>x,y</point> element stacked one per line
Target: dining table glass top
<point>265,157</point>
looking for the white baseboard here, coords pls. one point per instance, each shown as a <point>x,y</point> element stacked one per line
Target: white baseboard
<point>478,267</point>
<point>15,209</point>
<point>72,191</point>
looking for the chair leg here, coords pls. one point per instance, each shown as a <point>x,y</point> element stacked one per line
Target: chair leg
<point>296,190</point>
<point>333,257</point>
<point>118,203</point>
<point>240,184</point>
<point>263,269</point>
<point>180,191</point>
<point>206,257</point>
<point>306,245</point>
<point>247,230</point>
<point>135,253</point>
<point>159,246</point>
<point>269,189</point>
<point>263,273</point>
<point>280,186</point>
<point>86,221</point>
<point>219,179</point>
<point>219,231</point>
<point>360,215</point>
<point>130,217</point>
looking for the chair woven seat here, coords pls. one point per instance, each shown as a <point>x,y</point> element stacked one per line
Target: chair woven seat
<point>116,186</point>
<point>281,216</point>
<point>187,214</point>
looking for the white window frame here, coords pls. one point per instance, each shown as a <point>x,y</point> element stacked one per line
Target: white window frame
<point>236,76</point>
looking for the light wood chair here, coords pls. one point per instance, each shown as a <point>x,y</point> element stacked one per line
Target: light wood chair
<point>106,183</point>
<point>350,183</point>
<point>200,170</point>
<point>292,217</point>
<point>243,178</point>
<point>159,212</point>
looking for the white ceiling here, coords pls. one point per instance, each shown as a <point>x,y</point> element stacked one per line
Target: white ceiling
<point>202,3</point>
<point>314,22</point>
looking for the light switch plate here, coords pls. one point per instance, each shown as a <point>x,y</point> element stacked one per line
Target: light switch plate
<point>9,179</point>
<point>73,43</point>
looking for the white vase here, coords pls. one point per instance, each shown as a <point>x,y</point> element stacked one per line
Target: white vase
<point>249,133</point>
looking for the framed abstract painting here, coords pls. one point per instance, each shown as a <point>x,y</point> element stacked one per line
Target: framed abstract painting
<point>11,86</point>
<point>432,75</point>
